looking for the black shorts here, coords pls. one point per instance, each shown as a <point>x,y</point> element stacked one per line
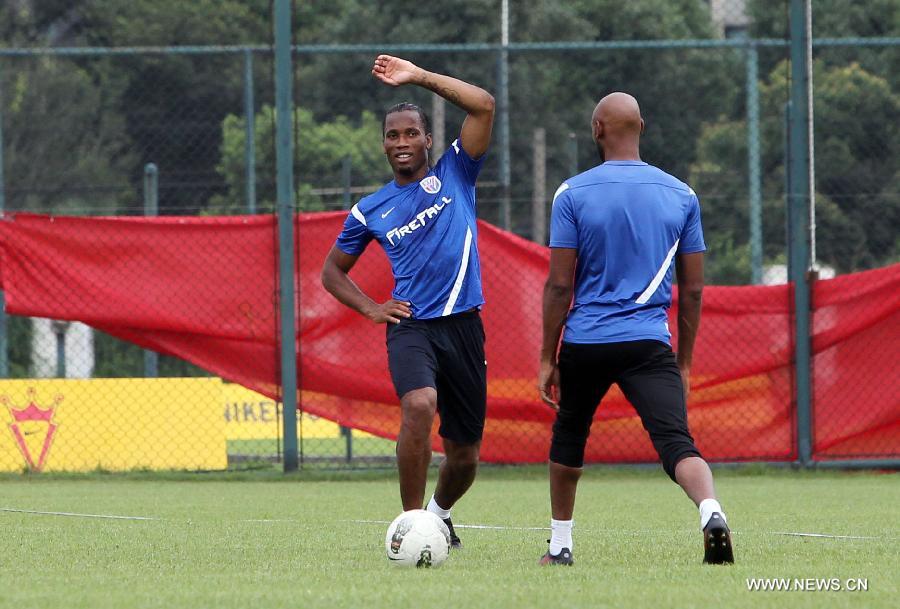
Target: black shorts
<point>446,353</point>
<point>648,375</point>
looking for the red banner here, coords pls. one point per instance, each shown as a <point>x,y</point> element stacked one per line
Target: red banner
<point>205,289</point>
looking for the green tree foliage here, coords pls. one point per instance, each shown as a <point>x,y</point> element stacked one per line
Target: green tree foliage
<point>174,104</point>
<point>78,131</point>
<point>556,90</point>
<point>831,18</point>
<point>559,90</point>
<point>836,19</point>
<point>65,147</point>
<point>857,202</point>
<point>170,107</point>
<point>65,150</point>
<point>323,146</point>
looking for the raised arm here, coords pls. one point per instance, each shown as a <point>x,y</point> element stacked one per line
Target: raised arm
<point>478,103</point>
<point>557,299</point>
<point>689,270</point>
<point>336,280</point>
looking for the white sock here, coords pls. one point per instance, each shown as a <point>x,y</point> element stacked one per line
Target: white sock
<point>434,508</point>
<point>707,507</point>
<point>561,536</point>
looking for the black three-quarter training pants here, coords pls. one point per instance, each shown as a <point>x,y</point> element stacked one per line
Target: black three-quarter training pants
<point>648,375</point>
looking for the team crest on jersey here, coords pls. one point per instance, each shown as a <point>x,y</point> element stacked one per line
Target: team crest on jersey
<point>431,185</point>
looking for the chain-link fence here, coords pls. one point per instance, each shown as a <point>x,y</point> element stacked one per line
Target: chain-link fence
<point>857,177</point>
<point>189,134</point>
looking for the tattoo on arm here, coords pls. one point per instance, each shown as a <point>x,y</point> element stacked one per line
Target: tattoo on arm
<point>447,93</point>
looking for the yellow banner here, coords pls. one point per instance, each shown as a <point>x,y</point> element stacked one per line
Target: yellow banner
<point>112,424</point>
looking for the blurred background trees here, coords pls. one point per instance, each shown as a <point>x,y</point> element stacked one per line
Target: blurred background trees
<point>78,130</point>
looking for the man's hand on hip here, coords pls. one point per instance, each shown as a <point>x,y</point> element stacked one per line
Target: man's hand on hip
<point>392,311</point>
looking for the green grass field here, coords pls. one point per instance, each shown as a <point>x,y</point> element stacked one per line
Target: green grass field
<point>256,539</point>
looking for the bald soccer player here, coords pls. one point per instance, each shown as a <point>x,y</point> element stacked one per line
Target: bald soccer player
<point>615,231</point>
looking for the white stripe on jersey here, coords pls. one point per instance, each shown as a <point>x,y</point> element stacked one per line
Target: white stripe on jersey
<point>562,188</point>
<point>460,277</point>
<point>358,214</point>
<point>659,276</point>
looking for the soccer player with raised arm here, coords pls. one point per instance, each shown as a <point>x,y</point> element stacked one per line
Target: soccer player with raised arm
<point>615,231</point>
<point>425,221</point>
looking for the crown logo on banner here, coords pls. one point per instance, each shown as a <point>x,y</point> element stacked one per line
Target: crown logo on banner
<point>33,428</point>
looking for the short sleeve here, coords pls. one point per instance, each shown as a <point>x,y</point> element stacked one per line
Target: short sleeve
<point>692,233</point>
<point>458,160</point>
<point>356,235</point>
<point>563,229</point>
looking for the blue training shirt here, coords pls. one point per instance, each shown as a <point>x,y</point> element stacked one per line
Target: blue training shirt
<point>428,231</point>
<point>628,220</point>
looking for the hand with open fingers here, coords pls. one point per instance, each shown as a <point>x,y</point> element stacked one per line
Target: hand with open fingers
<point>392,311</point>
<point>548,384</point>
<point>395,71</point>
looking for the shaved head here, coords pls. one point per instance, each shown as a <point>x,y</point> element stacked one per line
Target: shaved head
<point>617,125</point>
<point>619,111</point>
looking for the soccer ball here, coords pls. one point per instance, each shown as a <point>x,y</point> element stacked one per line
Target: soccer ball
<point>417,538</point>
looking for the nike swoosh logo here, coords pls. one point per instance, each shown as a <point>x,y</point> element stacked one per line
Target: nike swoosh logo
<point>392,558</point>
<point>446,199</point>
<point>385,214</point>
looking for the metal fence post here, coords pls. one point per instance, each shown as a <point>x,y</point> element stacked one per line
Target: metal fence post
<point>284,153</point>
<point>60,328</point>
<point>151,208</point>
<point>573,154</point>
<point>4,341</point>
<point>346,180</point>
<point>798,224</point>
<point>249,132</point>
<point>539,187</point>
<point>347,432</point>
<point>151,190</point>
<point>503,111</point>
<point>438,125</point>
<point>753,161</point>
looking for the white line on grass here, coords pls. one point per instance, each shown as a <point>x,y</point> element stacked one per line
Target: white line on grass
<point>505,528</point>
<point>270,520</point>
<point>383,522</point>
<point>822,535</point>
<point>499,528</point>
<point>464,526</point>
<point>75,515</point>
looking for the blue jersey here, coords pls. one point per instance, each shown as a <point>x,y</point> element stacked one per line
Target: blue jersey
<point>628,220</point>
<point>428,231</point>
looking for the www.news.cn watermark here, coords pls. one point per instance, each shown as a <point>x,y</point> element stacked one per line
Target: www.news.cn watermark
<point>807,584</point>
